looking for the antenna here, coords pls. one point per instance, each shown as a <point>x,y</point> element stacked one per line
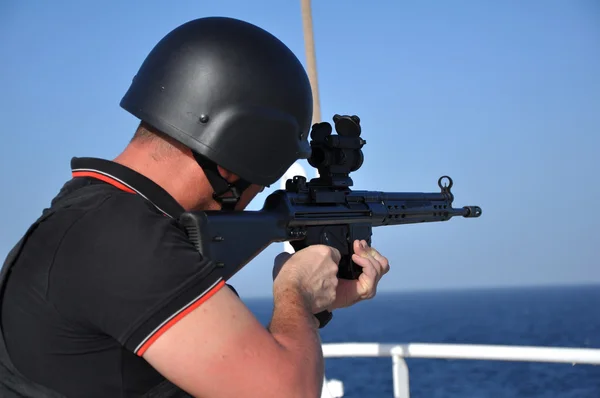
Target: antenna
<point>309,47</point>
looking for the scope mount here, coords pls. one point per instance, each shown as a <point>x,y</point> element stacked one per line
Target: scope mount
<point>335,156</point>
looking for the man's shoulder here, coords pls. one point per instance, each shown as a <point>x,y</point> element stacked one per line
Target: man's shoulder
<point>100,219</point>
<point>103,204</point>
<point>120,238</point>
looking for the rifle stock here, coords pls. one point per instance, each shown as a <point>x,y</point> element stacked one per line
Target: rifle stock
<point>322,211</point>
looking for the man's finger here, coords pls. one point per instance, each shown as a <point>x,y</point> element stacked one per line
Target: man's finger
<point>361,248</point>
<point>335,255</point>
<point>385,265</point>
<point>369,266</point>
<point>366,286</point>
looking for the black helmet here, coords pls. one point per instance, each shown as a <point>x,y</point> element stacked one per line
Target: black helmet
<point>232,93</point>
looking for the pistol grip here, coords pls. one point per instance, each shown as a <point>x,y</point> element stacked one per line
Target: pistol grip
<point>342,238</point>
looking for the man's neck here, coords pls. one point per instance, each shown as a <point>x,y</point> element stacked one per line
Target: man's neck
<point>176,175</point>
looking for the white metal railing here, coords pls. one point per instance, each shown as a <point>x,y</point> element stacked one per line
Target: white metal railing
<point>398,352</point>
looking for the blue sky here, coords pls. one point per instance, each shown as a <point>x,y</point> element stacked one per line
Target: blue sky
<point>502,96</point>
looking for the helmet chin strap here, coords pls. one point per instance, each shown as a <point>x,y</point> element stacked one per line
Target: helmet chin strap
<point>221,185</point>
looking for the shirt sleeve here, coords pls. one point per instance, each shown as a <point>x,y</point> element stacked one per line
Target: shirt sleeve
<point>130,272</point>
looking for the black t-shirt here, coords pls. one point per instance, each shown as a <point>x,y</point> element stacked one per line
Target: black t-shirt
<point>99,281</point>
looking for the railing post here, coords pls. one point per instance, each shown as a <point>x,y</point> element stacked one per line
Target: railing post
<point>400,375</point>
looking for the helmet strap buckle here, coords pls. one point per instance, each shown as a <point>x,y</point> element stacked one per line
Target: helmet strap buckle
<point>220,185</point>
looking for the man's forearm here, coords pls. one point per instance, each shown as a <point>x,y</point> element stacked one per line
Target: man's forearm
<point>296,329</point>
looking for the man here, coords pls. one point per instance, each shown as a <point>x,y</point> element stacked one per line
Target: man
<point>106,297</point>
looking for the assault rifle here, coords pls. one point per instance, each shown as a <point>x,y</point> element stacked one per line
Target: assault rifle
<point>322,211</point>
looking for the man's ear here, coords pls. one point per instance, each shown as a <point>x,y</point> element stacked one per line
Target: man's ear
<point>228,175</point>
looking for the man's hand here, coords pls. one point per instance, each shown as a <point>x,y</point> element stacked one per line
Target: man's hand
<point>349,292</point>
<point>311,271</point>
<point>374,266</point>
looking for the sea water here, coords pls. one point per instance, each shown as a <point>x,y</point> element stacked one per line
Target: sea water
<point>541,316</point>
